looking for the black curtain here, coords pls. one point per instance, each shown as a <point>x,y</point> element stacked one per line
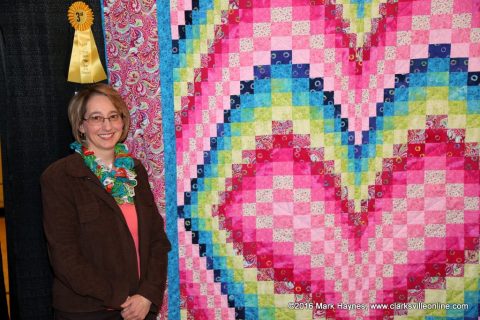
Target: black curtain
<point>3,296</point>
<point>34,133</point>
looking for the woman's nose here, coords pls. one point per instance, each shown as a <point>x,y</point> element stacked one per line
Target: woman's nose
<point>107,123</point>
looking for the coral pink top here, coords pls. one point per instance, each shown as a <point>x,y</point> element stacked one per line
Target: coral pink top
<point>130,214</point>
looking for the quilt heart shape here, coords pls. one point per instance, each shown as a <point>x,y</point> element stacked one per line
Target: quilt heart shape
<point>418,230</point>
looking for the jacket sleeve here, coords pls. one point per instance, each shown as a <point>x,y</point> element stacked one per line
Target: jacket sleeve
<point>62,230</point>
<point>152,283</point>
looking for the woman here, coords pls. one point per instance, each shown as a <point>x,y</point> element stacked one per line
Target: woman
<point>106,239</point>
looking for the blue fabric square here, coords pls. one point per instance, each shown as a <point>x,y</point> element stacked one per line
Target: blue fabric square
<point>281,57</point>
<point>301,71</point>
<point>261,72</point>
<point>439,65</point>
<point>437,79</point>
<point>300,99</point>
<point>281,71</point>
<point>417,80</point>
<point>263,99</point>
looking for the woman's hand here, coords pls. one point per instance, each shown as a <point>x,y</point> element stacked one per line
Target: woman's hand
<point>135,307</point>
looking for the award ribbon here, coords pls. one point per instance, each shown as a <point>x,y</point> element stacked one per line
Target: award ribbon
<point>85,64</point>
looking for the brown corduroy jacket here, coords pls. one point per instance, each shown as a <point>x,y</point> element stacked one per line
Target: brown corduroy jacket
<point>91,249</point>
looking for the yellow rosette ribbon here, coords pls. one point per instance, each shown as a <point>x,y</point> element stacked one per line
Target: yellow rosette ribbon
<point>85,64</point>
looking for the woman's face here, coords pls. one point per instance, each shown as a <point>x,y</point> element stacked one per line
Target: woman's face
<point>101,136</point>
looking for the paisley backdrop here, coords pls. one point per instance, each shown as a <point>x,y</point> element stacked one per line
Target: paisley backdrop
<point>313,159</point>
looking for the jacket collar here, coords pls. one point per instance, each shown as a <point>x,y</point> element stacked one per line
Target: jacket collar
<point>75,167</point>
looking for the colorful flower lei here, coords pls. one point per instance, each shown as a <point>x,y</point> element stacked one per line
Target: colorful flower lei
<point>120,180</point>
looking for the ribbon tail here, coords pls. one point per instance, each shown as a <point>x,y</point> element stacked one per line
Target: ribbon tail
<point>85,64</point>
<point>74,68</point>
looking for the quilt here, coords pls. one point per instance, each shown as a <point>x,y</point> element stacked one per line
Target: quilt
<point>315,159</point>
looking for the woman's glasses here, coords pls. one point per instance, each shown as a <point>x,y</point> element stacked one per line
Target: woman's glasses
<point>98,120</point>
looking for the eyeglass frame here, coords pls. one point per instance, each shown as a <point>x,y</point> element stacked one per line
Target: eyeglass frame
<point>90,120</point>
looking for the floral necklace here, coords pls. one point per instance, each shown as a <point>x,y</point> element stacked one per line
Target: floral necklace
<point>120,180</point>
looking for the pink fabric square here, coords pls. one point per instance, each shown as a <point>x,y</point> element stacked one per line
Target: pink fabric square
<point>456,229</point>
<point>415,177</point>
<point>461,36</point>
<point>282,208</point>
<point>300,55</point>
<point>248,223</point>
<point>472,177</point>
<point>434,190</point>
<point>301,12</point>
<point>285,249</point>
<point>474,62</point>
<point>280,195</point>
<point>246,16</point>
<point>262,182</point>
<point>301,235</point>
<point>261,58</point>
<point>455,176</point>
<point>415,204</point>
<point>283,168</point>
<point>279,29</point>
<point>301,182</point>
<point>400,231</point>
<point>264,235</point>
<point>400,66</point>
<point>435,217</point>
<point>399,191</point>
<point>415,231</point>
<point>262,15</point>
<point>329,248</point>
<point>301,208</point>
<point>440,36</point>
<point>417,256</point>
<point>435,163</point>
<point>262,44</point>
<point>434,244</point>
<point>415,217</point>
<point>246,73</point>
<point>472,217</point>
<point>460,50</point>
<point>301,169</point>
<point>455,203</point>
<point>316,69</point>
<point>249,196</point>
<point>403,53</point>
<point>421,8</point>
<point>245,30</point>
<point>471,190</point>
<point>301,222</point>
<point>235,210</point>
<point>281,43</point>
<point>264,208</point>
<point>387,245</point>
<point>317,235</point>
<point>387,256</point>
<point>463,6</point>
<point>404,23</point>
<point>441,21</point>
<point>246,60</point>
